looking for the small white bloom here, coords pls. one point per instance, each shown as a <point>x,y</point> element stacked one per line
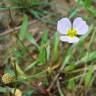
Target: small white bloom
<point>70,31</point>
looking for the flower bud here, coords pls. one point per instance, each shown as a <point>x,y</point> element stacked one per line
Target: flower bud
<point>7,78</point>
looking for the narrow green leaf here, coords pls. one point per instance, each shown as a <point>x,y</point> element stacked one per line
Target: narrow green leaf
<point>78,1</point>
<point>44,37</point>
<point>31,66</point>
<point>42,56</point>
<point>32,40</point>
<point>24,28</point>
<point>56,46</point>
<point>73,13</point>
<point>71,84</point>
<point>88,77</point>
<point>92,10</point>
<point>3,90</point>
<point>89,57</point>
<point>88,3</point>
<point>43,49</point>
<point>70,67</point>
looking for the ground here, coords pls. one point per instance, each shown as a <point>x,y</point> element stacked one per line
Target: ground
<point>32,54</point>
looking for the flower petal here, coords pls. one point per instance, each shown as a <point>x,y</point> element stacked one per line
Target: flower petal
<point>68,39</point>
<point>63,25</point>
<point>80,25</point>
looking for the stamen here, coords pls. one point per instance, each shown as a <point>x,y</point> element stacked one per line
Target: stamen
<point>72,33</point>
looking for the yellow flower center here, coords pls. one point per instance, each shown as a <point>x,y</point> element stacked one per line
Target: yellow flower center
<point>72,33</point>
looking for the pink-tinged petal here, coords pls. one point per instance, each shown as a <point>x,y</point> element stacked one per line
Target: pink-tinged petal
<point>63,25</point>
<point>69,39</point>
<point>80,25</point>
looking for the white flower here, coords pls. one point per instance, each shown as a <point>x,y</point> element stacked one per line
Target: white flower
<point>70,31</point>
